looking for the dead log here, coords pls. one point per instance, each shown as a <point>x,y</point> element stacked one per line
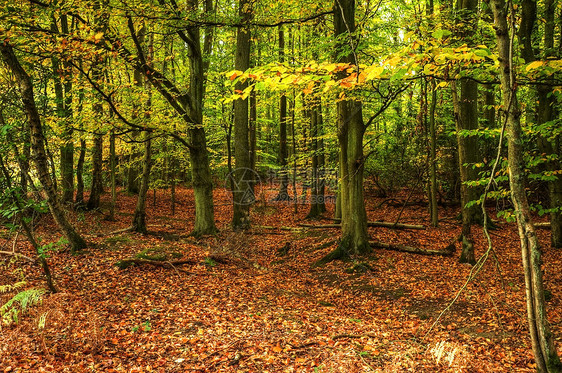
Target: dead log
<point>124,263</point>
<point>369,224</point>
<point>283,228</point>
<point>448,251</point>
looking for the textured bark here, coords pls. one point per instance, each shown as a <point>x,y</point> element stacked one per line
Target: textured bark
<point>317,203</point>
<point>468,147</point>
<point>62,74</point>
<point>350,131</point>
<point>37,145</point>
<point>96,188</point>
<point>139,218</point>
<point>283,194</point>
<point>433,158</point>
<point>542,340</point>
<point>79,199</point>
<point>112,171</point>
<point>243,194</point>
<point>198,154</point>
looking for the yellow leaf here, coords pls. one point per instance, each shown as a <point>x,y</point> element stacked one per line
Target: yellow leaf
<point>533,65</point>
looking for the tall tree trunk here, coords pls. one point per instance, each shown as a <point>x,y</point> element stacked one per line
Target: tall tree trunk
<point>62,74</point>
<point>243,194</point>
<point>96,187</point>
<point>112,171</point>
<point>37,144</point>
<point>542,339</point>
<point>79,200</point>
<point>283,194</point>
<point>468,145</point>
<point>546,113</point>
<point>139,218</point>
<point>433,157</point>
<point>199,156</point>
<point>253,128</point>
<point>350,131</point>
<point>317,205</point>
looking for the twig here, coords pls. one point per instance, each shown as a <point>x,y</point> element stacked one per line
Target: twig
<point>12,253</point>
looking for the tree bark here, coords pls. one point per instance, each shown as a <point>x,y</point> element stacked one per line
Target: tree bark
<point>283,194</point>
<point>350,131</point>
<point>63,92</point>
<point>243,194</point>
<point>139,218</point>
<point>433,158</point>
<point>96,188</point>
<point>542,340</point>
<point>37,144</point>
<point>112,171</point>
<point>468,147</point>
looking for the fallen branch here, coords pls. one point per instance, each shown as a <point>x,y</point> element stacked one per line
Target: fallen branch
<point>448,251</point>
<point>352,336</point>
<point>128,229</point>
<point>369,224</point>
<point>283,228</point>
<point>10,253</point>
<point>545,225</point>
<point>124,263</point>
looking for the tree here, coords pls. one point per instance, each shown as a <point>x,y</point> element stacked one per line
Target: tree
<point>243,194</point>
<point>283,195</point>
<point>542,340</point>
<point>467,120</point>
<point>23,80</point>
<point>350,131</point>
<point>62,76</point>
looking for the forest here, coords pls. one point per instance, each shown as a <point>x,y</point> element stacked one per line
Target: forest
<point>280,186</point>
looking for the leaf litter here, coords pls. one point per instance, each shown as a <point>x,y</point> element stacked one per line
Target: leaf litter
<point>252,302</point>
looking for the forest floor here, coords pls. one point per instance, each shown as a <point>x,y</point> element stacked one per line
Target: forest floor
<point>259,305</point>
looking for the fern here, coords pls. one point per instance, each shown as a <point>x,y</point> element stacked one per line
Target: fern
<point>19,303</point>
<point>7,288</point>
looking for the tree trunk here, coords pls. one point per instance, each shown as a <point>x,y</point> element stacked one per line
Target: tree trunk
<point>79,200</point>
<point>546,113</point>
<point>283,194</point>
<point>317,204</point>
<point>63,93</point>
<point>112,167</point>
<point>96,188</point>
<point>243,194</point>
<point>139,218</point>
<point>467,120</point>
<point>198,154</point>
<point>542,340</point>
<point>350,131</point>
<point>37,144</point>
<point>433,158</point>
